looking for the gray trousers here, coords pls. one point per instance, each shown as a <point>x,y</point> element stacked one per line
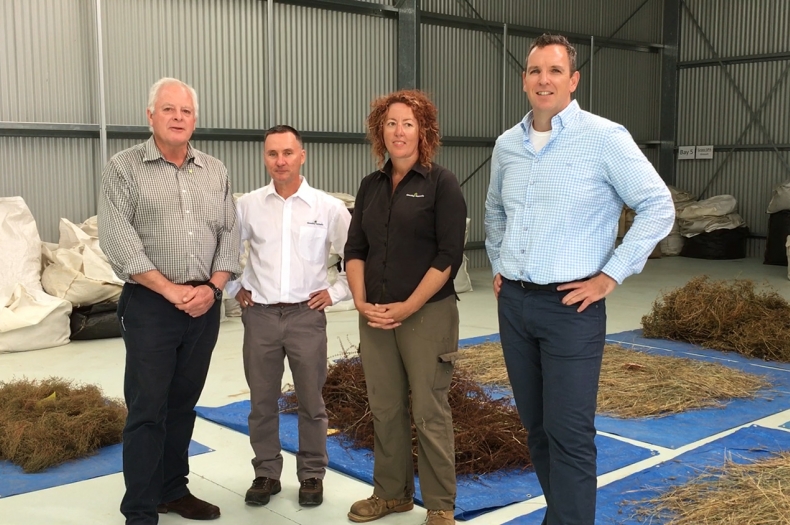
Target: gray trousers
<point>270,335</point>
<point>406,358</point>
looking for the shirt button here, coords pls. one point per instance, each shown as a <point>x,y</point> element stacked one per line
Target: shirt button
<point>192,254</point>
<point>188,210</point>
<point>190,233</point>
<point>183,191</point>
<point>522,251</point>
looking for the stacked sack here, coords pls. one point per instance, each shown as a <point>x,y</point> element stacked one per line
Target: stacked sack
<point>672,244</point>
<point>713,229</point>
<point>778,226</point>
<point>77,270</point>
<point>30,318</point>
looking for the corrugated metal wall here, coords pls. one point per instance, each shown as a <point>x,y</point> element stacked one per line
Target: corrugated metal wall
<point>328,65</point>
<point>47,61</point>
<point>711,111</point>
<point>216,46</point>
<point>57,178</point>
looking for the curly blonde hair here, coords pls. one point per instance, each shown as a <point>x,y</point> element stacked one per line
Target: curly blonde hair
<point>427,119</point>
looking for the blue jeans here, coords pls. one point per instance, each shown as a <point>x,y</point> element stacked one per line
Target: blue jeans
<point>553,356</point>
<point>167,359</point>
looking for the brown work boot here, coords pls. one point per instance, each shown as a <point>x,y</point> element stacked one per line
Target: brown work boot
<point>440,517</point>
<point>261,491</point>
<point>374,508</point>
<point>191,508</point>
<point>311,492</point>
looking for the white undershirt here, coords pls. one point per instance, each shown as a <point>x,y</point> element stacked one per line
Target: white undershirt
<point>538,138</point>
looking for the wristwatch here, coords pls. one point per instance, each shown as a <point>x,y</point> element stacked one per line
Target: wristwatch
<point>217,291</point>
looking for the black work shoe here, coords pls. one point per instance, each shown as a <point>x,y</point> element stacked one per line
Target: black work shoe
<point>311,492</point>
<point>261,490</point>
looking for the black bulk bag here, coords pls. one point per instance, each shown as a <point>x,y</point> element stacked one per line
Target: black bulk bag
<point>98,321</point>
<point>718,244</point>
<point>778,230</point>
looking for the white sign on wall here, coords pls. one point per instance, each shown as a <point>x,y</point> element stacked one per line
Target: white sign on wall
<point>686,152</point>
<point>704,152</point>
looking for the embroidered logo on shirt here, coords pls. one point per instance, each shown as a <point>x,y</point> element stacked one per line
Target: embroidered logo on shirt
<point>315,223</point>
<point>415,195</point>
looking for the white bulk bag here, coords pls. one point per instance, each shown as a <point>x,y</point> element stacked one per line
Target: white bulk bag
<point>717,206</point>
<point>780,199</point>
<point>79,271</point>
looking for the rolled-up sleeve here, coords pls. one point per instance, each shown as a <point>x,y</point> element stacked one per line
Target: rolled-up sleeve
<point>357,245</point>
<point>226,257</point>
<point>117,237</point>
<point>450,224</point>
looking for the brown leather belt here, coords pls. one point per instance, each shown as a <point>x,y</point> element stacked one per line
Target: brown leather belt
<point>284,305</point>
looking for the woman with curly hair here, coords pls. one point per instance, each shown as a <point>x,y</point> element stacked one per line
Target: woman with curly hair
<point>404,247</point>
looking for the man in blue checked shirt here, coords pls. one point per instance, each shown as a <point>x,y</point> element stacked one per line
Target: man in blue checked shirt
<point>559,179</point>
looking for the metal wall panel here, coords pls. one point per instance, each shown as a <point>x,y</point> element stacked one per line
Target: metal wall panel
<point>338,167</point>
<point>477,259</point>
<point>47,64</point>
<point>626,89</point>
<point>749,176</point>
<point>329,66</point>
<point>710,111</point>
<point>55,176</point>
<point>590,17</point>
<point>462,70</point>
<point>735,27</point>
<point>463,161</point>
<point>216,46</point>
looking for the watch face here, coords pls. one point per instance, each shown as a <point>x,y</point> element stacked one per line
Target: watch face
<point>218,294</point>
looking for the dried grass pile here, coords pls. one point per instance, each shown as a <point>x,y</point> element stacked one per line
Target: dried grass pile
<point>635,384</point>
<point>724,315</point>
<point>488,433</point>
<point>754,493</point>
<point>46,423</point>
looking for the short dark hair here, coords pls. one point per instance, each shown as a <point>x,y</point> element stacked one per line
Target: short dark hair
<point>554,40</point>
<point>282,128</point>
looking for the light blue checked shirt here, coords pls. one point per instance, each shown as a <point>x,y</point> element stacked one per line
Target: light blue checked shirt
<point>551,217</point>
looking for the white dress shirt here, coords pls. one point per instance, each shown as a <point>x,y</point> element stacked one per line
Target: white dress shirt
<point>289,242</point>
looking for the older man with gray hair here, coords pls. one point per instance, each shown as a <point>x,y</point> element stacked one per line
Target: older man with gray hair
<point>167,223</point>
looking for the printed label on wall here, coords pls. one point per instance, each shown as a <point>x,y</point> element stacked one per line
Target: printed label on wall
<point>686,152</point>
<point>704,152</point>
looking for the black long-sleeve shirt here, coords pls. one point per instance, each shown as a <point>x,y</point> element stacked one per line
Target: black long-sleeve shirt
<point>401,235</point>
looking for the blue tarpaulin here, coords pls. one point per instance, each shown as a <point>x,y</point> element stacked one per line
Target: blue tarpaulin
<point>476,494</point>
<point>619,501</point>
<point>107,460</point>
<point>676,430</point>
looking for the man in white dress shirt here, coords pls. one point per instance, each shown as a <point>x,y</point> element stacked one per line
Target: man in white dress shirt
<point>283,292</point>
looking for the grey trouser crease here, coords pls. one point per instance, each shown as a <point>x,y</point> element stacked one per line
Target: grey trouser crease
<point>395,361</point>
<point>270,335</point>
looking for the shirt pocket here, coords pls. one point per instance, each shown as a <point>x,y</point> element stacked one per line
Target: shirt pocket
<point>312,243</point>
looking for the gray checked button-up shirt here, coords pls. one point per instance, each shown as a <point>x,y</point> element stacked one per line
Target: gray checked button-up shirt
<point>154,215</point>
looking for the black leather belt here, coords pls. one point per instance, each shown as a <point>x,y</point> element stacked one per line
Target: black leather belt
<point>533,287</point>
<point>195,283</point>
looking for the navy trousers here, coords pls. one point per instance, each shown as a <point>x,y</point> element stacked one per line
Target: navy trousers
<point>553,356</point>
<point>167,360</point>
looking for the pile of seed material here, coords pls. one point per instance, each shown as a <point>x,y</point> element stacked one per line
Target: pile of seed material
<point>48,422</point>
<point>724,315</point>
<point>636,384</point>
<point>488,433</point>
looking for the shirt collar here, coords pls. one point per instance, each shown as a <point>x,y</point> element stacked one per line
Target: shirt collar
<point>305,192</point>
<point>417,168</point>
<point>152,153</point>
<point>558,121</point>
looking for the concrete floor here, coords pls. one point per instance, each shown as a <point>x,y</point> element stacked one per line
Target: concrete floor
<point>223,476</point>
